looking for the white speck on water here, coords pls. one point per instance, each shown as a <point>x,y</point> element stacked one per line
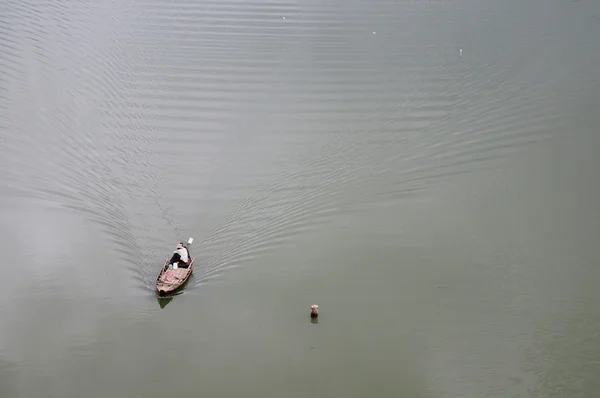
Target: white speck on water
<point>374,33</point>
<point>283,17</point>
<point>460,51</point>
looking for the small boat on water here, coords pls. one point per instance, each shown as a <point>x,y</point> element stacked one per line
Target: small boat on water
<point>174,274</point>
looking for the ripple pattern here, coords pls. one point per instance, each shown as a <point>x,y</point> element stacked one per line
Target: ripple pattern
<point>157,119</point>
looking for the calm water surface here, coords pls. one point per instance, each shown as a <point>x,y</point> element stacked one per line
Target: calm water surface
<point>425,171</point>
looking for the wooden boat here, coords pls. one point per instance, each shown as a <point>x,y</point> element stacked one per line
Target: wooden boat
<point>170,279</point>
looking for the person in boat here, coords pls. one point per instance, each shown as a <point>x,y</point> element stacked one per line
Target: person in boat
<point>181,255</point>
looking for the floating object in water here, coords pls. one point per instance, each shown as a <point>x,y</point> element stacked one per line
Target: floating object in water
<point>172,277</point>
<point>314,311</point>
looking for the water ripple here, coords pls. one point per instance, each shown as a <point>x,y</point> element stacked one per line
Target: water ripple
<point>286,114</point>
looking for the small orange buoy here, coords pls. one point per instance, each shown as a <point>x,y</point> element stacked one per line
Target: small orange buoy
<point>314,311</point>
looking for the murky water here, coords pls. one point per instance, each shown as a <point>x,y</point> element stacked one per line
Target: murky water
<point>425,171</point>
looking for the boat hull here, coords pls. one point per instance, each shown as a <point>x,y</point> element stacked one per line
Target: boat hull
<point>170,280</point>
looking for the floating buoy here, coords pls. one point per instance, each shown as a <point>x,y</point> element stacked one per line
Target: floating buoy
<point>314,311</point>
